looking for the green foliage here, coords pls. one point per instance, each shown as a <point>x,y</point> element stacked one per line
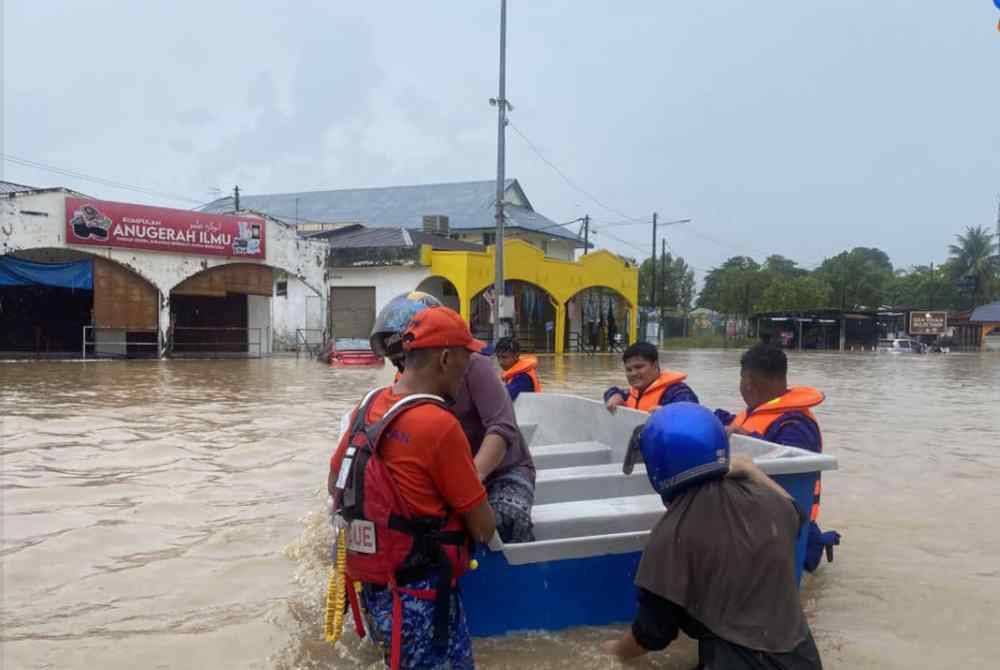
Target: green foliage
<point>974,257</point>
<point>861,278</point>
<point>800,293</point>
<point>674,284</point>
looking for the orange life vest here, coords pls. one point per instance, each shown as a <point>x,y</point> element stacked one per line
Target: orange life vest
<point>797,398</point>
<point>648,399</point>
<point>525,365</point>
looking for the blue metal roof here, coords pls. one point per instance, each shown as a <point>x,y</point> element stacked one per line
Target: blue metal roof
<point>468,206</point>
<point>986,313</point>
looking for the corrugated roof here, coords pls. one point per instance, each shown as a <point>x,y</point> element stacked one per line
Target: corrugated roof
<point>986,313</point>
<point>11,187</point>
<point>392,237</point>
<point>468,205</point>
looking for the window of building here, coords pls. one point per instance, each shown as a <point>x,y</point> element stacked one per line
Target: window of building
<point>489,238</point>
<point>281,288</point>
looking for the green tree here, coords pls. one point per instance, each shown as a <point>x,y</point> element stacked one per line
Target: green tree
<point>924,287</point>
<point>784,267</point>
<point>674,284</point>
<point>974,257</point>
<point>734,287</point>
<point>858,277</point>
<point>800,293</point>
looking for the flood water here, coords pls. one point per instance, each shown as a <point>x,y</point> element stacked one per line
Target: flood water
<point>172,514</point>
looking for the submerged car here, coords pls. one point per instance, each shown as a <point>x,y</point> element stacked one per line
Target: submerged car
<point>901,346</point>
<point>343,352</point>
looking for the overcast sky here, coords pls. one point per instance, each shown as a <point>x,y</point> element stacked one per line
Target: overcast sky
<point>791,127</point>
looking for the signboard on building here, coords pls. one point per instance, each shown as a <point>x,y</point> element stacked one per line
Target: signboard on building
<point>928,323</point>
<point>180,231</point>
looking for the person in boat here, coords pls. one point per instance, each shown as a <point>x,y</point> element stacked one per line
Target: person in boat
<point>519,373</point>
<point>719,564</point>
<point>649,386</point>
<point>782,414</point>
<point>403,477</point>
<point>486,413</point>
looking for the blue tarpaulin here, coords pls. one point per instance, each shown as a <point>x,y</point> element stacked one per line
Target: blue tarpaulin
<point>16,272</point>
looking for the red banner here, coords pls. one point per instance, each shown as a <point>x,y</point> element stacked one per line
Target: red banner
<point>118,224</point>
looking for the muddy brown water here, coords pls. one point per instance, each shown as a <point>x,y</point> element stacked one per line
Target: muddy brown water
<point>171,514</point>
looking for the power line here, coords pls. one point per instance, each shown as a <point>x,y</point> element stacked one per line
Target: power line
<point>97,180</point>
<point>566,179</point>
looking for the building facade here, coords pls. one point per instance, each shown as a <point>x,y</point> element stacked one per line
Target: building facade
<point>152,280</point>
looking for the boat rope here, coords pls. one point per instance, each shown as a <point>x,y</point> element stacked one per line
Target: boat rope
<point>336,592</point>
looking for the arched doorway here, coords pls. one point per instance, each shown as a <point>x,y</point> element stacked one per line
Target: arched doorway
<point>222,311</point>
<point>534,315</point>
<point>64,303</point>
<point>597,319</point>
<point>442,289</point>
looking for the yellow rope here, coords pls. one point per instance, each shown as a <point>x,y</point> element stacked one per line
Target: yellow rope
<point>336,593</point>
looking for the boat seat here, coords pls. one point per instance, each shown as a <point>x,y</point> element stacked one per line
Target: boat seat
<point>589,482</point>
<point>596,517</point>
<point>570,454</point>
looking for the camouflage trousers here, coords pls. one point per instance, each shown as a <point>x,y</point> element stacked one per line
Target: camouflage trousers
<point>511,499</point>
<point>417,629</point>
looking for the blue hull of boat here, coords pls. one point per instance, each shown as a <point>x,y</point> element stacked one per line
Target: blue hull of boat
<point>594,591</point>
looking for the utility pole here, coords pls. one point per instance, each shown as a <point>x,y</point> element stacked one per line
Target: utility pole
<point>236,191</point>
<point>501,103</point>
<point>586,232</point>
<point>652,287</point>
<point>663,278</point>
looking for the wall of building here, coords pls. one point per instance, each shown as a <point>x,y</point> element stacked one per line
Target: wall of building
<point>558,249</point>
<point>259,323</point>
<point>299,309</point>
<point>38,220</point>
<point>389,281</point>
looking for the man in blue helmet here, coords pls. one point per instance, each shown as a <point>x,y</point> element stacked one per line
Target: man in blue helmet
<point>720,562</point>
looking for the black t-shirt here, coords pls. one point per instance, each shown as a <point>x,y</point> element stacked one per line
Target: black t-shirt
<point>659,620</point>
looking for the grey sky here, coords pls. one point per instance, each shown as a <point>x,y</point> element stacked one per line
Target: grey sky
<point>790,127</point>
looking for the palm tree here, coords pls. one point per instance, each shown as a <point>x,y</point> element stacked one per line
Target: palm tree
<point>973,256</point>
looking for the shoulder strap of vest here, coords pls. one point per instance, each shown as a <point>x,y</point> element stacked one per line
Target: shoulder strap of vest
<point>374,431</point>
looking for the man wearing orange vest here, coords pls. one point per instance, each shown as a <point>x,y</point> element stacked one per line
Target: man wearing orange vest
<point>519,372</point>
<point>403,475</point>
<point>649,387</point>
<point>782,414</point>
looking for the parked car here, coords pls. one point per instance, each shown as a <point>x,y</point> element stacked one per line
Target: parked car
<point>352,352</point>
<point>901,346</point>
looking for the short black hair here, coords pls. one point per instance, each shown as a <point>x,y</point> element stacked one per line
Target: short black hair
<point>644,350</point>
<point>416,359</point>
<point>507,345</point>
<point>765,359</point>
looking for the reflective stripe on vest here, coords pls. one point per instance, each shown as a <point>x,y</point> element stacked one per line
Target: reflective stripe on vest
<point>648,399</point>
<point>796,399</point>
<point>525,365</point>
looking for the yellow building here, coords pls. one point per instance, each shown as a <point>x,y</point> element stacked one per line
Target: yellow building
<point>471,273</point>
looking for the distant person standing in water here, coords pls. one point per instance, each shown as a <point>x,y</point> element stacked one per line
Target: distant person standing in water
<point>649,387</point>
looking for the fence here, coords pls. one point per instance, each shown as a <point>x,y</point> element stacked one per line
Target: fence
<point>310,340</point>
<point>206,341</point>
<point>120,343</point>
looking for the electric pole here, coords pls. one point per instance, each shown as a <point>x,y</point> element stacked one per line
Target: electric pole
<point>586,232</point>
<point>236,197</point>
<point>501,103</point>
<point>663,278</point>
<point>652,286</point>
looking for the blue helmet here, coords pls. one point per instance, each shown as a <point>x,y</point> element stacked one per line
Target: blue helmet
<point>682,444</point>
<point>386,337</point>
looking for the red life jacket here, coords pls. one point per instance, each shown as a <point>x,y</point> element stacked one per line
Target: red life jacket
<point>525,365</point>
<point>387,545</point>
<point>648,399</point>
<point>797,398</point>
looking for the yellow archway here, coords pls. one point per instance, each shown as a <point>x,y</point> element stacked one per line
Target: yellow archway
<point>472,271</point>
